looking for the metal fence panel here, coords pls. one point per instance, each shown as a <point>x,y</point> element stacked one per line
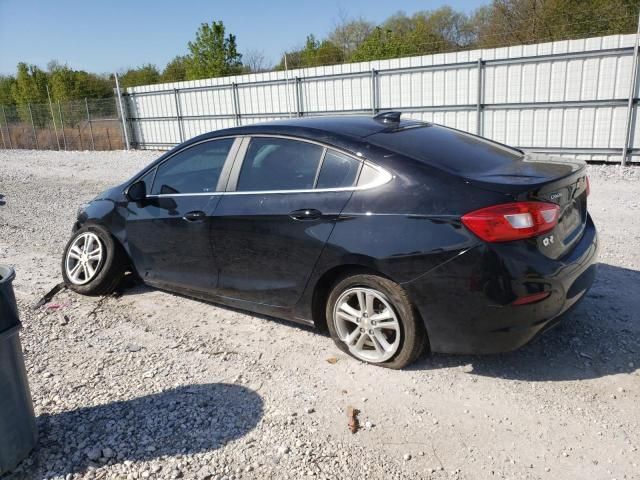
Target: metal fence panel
<point>565,97</point>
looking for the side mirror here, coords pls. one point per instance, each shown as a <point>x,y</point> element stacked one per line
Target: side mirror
<point>137,192</point>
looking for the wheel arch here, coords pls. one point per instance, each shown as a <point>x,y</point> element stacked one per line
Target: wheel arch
<point>322,289</point>
<point>117,240</point>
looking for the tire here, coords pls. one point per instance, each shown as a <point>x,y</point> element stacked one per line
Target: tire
<point>108,270</point>
<point>405,341</point>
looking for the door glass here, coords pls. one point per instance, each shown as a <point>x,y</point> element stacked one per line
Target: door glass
<point>148,180</point>
<point>194,170</point>
<point>279,164</point>
<point>337,171</point>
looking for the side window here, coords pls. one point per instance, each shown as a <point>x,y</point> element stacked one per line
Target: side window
<point>337,171</point>
<point>279,164</point>
<point>368,175</point>
<point>194,170</point>
<point>148,179</point>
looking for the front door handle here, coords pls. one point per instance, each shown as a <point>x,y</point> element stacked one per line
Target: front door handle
<point>194,216</point>
<point>306,214</point>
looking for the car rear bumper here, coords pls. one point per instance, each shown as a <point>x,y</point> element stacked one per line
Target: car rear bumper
<point>466,302</point>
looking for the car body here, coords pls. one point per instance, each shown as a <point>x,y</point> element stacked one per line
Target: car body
<point>271,233</point>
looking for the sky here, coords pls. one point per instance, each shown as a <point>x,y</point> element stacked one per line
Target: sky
<point>113,35</point>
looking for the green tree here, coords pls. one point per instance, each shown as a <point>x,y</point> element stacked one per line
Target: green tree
<point>423,33</point>
<point>67,84</point>
<point>512,22</point>
<point>30,85</point>
<point>6,83</point>
<point>176,70</point>
<point>212,54</point>
<point>314,54</point>
<point>381,43</point>
<point>145,75</point>
<point>93,85</point>
<point>62,82</point>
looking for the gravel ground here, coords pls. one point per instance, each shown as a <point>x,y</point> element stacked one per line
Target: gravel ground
<point>152,385</point>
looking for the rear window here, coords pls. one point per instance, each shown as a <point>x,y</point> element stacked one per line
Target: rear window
<point>337,171</point>
<point>452,150</point>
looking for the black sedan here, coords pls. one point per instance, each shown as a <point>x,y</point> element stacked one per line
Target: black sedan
<point>396,235</point>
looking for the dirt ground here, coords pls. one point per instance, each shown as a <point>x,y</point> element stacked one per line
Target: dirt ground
<point>153,385</point>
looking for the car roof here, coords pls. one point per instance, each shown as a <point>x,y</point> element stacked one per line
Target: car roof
<point>347,127</point>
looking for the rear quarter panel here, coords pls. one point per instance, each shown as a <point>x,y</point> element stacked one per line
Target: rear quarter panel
<point>404,228</point>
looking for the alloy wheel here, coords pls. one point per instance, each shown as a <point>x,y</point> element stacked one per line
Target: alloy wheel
<point>367,323</point>
<point>84,258</point>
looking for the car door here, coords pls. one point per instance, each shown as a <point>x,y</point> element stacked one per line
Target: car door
<point>269,228</point>
<point>168,233</point>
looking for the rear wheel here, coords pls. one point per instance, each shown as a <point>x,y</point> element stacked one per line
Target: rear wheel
<point>93,263</point>
<point>370,318</point>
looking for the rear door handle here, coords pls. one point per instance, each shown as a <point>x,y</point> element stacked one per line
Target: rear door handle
<point>306,214</point>
<point>194,216</point>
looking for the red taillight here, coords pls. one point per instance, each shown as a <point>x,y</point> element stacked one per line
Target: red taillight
<point>512,221</point>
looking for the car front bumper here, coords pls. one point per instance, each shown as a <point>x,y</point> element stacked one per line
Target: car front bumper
<point>466,302</point>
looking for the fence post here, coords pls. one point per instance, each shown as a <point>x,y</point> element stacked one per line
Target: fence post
<point>6,122</point>
<point>374,91</point>
<point>86,106</point>
<point>236,103</point>
<point>33,126</point>
<point>299,106</point>
<point>176,97</point>
<point>286,72</point>
<point>64,137</point>
<point>122,115</point>
<point>480,98</point>
<point>631,101</point>
<point>53,118</point>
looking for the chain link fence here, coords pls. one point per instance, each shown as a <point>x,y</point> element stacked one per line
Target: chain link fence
<point>89,124</point>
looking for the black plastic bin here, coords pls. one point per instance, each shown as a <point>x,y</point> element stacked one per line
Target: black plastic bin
<point>18,433</point>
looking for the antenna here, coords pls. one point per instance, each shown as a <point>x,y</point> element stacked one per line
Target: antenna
<point>388,117</point>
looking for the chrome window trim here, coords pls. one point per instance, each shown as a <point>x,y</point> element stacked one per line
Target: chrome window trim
<point>384,178</point>
<point>237,161</point>
<point>307,140</point>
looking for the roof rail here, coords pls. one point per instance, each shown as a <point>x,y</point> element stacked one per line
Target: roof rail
<point>388,117</point>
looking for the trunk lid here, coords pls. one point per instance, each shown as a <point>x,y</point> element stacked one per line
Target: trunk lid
<point>546,179</point>
<point>496,167</point>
